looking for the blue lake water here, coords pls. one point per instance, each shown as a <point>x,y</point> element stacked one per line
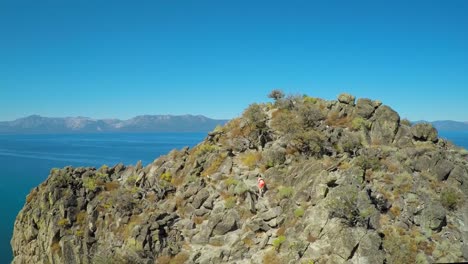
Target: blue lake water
<point>25,162</point>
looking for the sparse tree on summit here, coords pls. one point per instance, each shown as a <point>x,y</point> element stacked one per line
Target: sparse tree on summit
<point>276,94</point>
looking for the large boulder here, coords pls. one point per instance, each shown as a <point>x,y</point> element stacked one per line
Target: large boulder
<point>227,224</point>
<point>424,132</point>
<point>365,108</point>
<point>385,126</point>
<point>442,169</point>
<point>432,217</point>
<point>346,98</point>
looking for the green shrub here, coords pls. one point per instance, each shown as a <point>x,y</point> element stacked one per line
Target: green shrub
<point>166,176</point>
<point>251,159</point>
<point>241,188</point>
<point>348,203</point>
<point>273,157</point>
<point>299,212</point>
<point>309,114</point>
<point>255,116</point>
<point>276,94</point>
<point>81,217</point>
<point>63,222</point>
<point>132,179</point>
<point>359,123</point>
<point>230,202</point>
<point>285,192</point>
<point>102,176</point>
<point>79,233</point>
<point>231,181</point>
<point>278,242</point>
<point>203,149</point>
<point>400,247</point>
<point>309,99</point>
<point>90,183</point>
<point>450,198</point>
<point>367,163</point>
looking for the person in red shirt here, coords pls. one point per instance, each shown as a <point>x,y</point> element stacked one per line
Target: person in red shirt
<point>261,186</point>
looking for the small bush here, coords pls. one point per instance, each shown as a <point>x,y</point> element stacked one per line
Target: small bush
<point>198,220</point>
<point>273,157</point>
<point>214,165</point>
<point>255,116</point>
<point>110,186</point>
<point>251,159</point>
<point>309,114</point>
<point>81,217</point>
<point>231,181</point>
<point>334,119</point>
<point>63,222</point>
<point>230,202</point>
<point>450,198</point>
<point>285,192</point>
<point>281,231</point>
<point>400,247</point>
<point>276,95</point>
<point>309,100</point>
<point>132,179</point>
<point>299,212</point>
<point>367,163</point>
<point>359,123</point>
<point>241,188</point>
<point>166,176</point>
<point>271,257</point>
<point>79,233</point>
<point>203,149</point>
<point>278,242</point>
<point>90,183</point>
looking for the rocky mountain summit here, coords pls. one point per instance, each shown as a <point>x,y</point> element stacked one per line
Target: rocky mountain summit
<point>348,182</point>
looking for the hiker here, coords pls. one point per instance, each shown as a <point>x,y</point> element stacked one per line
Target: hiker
<point>261,186</point>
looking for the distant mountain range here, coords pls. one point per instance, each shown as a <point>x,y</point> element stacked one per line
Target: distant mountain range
<point>448,125</point>
<point>36,124</point>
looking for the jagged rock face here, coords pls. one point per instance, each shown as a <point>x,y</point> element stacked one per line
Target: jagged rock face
<point>346,183</point>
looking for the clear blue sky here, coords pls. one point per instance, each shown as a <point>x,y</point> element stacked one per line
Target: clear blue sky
<point>125,58</point>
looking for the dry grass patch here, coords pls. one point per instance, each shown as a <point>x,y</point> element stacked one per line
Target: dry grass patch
<point>214,166</point>
<point>251,159</point>
<point>110,186</point>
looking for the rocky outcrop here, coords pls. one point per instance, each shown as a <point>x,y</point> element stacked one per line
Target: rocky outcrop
<point>347,183</point>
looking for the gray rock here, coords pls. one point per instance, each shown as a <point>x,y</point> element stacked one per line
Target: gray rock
<point>433,217</point>
<point>385,126</point>
<point>424,132</point>
<point>227,224</point>
<point>368,251</point>
<point>404,137</point>
<point>442,169</point>
<point>364,108</point>
<point>346,98</point>
<point>272,213</point>
<point>422,163</point>
<point>200,198</point>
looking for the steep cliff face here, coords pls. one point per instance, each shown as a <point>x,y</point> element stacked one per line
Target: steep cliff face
<point>348,181</point>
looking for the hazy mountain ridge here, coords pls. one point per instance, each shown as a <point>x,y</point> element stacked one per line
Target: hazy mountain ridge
<point>143,123</point>
<point>450,125</point>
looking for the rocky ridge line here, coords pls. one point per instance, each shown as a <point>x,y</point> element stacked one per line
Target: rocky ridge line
<point>348,182</point>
